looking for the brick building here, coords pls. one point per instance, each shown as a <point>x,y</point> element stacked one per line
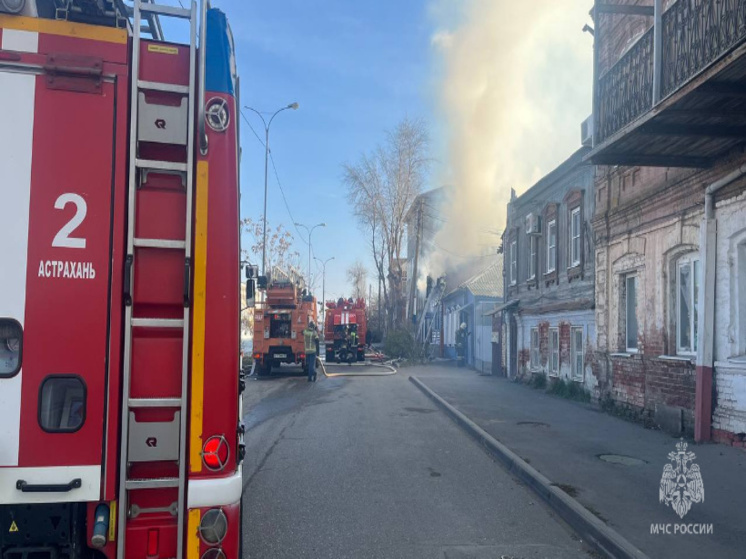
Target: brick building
<point>670,220</point>
<point>549,261</point>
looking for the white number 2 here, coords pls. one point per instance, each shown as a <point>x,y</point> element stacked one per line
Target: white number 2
<point>62,238</point>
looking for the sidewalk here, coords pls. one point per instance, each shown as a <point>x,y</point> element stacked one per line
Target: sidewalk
<point>563,441</point>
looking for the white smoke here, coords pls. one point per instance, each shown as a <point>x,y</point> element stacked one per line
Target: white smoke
<point>515,86</point>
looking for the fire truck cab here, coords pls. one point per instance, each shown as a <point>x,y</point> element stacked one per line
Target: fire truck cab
<point>345,330</point>
<point>119,282</point>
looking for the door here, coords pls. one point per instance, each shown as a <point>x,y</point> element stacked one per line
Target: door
<point>56,180</point>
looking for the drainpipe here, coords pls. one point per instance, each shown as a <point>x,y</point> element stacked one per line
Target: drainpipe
<point>706,325</point>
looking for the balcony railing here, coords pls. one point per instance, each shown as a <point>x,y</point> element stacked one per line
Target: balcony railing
<point>626,90</point>
<point>695,34</point>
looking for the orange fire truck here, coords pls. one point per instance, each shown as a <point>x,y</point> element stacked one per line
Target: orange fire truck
<point>280,319</point>
<point>120,432</point>
<point>343,318</point>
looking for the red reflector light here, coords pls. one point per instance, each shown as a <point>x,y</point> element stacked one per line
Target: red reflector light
<point>257,356</point>
<point>152,543</point>
<point>215,453</point>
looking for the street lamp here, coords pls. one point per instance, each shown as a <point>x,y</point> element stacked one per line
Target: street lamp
<point>293,106</point>
<point>309,245</point>
<point>323,287</point>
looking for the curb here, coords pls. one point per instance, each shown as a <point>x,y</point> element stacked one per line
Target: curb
<point>591,529</point>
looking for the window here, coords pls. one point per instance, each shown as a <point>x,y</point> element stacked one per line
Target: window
<point>62,400</point>
<point>575,237</point>
<point>576,339</point>
<point>687,304</point>
<point>534,348</point>
<point>630,312</point>
<point>554,351</point>
<point>551,246</point>
<point>532,242</point>
<point>11,347</point>
<point>513,263</point>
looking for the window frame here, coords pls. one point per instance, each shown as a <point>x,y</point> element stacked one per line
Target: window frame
<point>513,262</point>
<point>626,278</point>
<point>533,244</point>
<point>575,259</point>
<point>551,265</point>
<point>554,352</point>
<point>574,353</point>
<point>690,260</point>
<point>534,364</point>
<point>39,400</point>
<point>14,322</point>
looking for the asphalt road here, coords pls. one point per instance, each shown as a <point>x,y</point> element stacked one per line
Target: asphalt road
<point>368,467</point>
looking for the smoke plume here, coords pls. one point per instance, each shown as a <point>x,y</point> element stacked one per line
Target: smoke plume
<point>515,84</point>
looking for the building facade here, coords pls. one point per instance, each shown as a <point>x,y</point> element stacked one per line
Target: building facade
<point>470,302</point>
<point>548,251</point>
<point>670,221</point>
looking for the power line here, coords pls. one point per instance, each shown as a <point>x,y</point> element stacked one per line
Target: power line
<point>246,120</point>
<point>277,176</point>
<point>284,199</point>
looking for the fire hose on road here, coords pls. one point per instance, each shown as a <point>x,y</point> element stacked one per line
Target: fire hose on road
<point>388,370</point>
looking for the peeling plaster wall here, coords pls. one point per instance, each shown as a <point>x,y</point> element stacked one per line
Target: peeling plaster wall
<point>564,322</point>
<point>647,219</point>
<point>729,415</point>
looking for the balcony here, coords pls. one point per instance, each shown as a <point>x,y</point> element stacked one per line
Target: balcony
<point>682,104</point>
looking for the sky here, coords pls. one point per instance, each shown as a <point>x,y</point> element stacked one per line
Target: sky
<point>356,68</point>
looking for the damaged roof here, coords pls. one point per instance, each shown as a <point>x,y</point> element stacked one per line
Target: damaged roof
<point>486,283</point>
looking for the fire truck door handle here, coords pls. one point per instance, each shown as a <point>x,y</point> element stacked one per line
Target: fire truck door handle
<point>187,281</point>
<point>128,280</point>
<point>26,487</point>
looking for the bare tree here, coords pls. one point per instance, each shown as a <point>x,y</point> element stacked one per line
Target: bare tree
<point>357,275</point>
<point>280,250</point>
<point>381,187</point>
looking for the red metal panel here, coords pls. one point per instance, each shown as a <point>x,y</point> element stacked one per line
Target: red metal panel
<point>67,317</point>
<point>222,288</point>
<point>164,62</point>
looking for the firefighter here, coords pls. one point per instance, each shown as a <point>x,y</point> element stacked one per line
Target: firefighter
<point>461,336</point>
<point>352,346</point>
<point>310,339</point>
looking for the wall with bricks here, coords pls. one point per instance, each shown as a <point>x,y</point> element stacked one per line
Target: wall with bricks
<point>730,315</point>
<point>646,221</point>
<point>564,323</point>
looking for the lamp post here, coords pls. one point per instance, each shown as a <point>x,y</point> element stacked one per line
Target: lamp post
<point>309,245</point>
<point>293,106</point>
<point>323,286</point>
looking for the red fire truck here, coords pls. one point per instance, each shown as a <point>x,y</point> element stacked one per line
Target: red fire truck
<point>280,319</point>
<point>343,318</point>
<point>120,430</point>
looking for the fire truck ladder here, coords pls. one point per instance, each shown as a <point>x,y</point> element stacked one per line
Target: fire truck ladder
<point>138,439</point>
<point>425,325</point>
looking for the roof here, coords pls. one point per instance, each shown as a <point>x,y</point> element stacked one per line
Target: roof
<point>488,282</point>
